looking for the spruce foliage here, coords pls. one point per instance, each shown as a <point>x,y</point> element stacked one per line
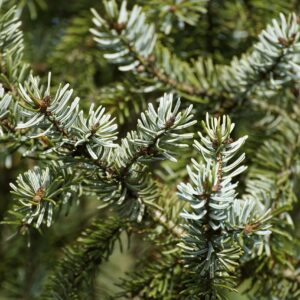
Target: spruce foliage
<point>149,149</point>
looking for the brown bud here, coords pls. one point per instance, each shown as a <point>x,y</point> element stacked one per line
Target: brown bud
<point>170,122</point>
<point>95,128</point>
<point>118,27</point>
<point>283,42</point>
<point>172,8</point>
<point>216,188</point>
<point>40,193</point>
<point>140,69</point>
<point>44,104</point>
<point>215,143</point>
<point>248,228</point>
<point>151,58</point>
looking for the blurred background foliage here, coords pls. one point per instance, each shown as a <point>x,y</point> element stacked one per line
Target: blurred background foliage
<point>57,39</point>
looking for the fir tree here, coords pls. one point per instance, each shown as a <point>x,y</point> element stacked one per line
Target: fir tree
<point>149,149</point>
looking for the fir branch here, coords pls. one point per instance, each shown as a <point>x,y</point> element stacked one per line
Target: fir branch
<point>210,250</point>
<point>12,68</point>
<point>121,31</point>
<point>39,191</point>
<point>170,15</point>
<point>129,183</point>
<point>53,119</point>
<point>251,74</point>
<point>225,239</point>
<point>275,191</point>
<point>161,279</point>
<point>74,272</point>
<point>272,64</point>
<point>155,130</point>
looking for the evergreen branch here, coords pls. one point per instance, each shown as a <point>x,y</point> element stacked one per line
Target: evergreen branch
<point>174,73</point>
<point>163,276</point>
<point>161,279</point>
<point>129,176</point>
<point>167,214</point>
<point>39,191</point>
<point>124,26</point>
<point>156,130</point>
<point>11,139</point>
<point>175,15</point>
<point>41,109</point>
<point>90,137</point>
<point>122,100</point>
<point>273,280</point>
<point>271,184</point>
<point>74,272</point>
<point>251,74</point>
<point>11,37</point>
<point>273,62</point>
<point>12,68</point>
<point>33,6</point>
<point>217,150</point>
<point>5,103</point>
<point>123,32</point>
<point>93,137</point>
<point>211,252</point>
<point>51,115</point>
<point>224,240</point>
